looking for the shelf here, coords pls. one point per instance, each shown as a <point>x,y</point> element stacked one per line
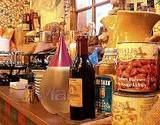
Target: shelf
<point>12,67</point>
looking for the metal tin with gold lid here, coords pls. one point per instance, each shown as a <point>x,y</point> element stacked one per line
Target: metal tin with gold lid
<point>131,109</point>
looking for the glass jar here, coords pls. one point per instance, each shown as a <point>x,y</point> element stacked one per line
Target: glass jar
<point>108,63</point>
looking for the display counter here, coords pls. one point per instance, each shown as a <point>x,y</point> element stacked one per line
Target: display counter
<point>19,112</point>
<point>14,111</point>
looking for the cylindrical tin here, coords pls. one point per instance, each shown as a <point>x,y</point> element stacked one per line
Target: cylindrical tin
<point>103,94</point>
<point>131,109</point>
<point>137,69</point>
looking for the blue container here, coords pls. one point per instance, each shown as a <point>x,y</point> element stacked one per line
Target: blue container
<point>104,85</point>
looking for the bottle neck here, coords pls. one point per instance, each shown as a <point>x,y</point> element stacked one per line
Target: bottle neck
<point>82,46</point>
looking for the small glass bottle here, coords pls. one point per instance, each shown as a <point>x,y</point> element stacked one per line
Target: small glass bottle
<point>108,63</point>
<point>105,78</point>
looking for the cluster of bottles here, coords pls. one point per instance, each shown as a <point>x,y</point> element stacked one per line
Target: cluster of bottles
<point>69,86</point>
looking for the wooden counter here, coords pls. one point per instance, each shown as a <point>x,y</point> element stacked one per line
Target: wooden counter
<point>14,111</point>
<point>35,111</point>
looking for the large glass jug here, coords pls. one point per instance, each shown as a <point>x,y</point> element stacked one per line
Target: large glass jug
<point>54,86</point>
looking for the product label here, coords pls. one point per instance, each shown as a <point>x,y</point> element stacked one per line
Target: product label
<point>137,67</point>
<point>131,51</point>
<point>25,27</point>
<point>75,92</point>
<point>159,66</point>
<point>36,23</point>
<point>130,110</point>
<point>58,95</point>
<point>103,94</point>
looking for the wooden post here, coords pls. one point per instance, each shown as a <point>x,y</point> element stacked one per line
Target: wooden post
<point>73,16</point>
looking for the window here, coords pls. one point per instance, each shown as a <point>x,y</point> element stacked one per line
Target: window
<point>91,11</point>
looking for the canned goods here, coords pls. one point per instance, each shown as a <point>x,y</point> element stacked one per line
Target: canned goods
<point>103,94</point>
<point>137,69</point>
<point>131,109</point>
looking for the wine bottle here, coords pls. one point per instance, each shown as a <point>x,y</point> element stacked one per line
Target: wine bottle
<point>81,83</point>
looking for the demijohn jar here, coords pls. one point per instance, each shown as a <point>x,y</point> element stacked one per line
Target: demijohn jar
<point>54,86</point>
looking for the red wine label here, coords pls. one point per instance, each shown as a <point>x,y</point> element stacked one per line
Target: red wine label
<point>75,92</point>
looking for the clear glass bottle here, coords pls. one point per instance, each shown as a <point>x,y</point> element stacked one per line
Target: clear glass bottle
<point>108,63</point>
<point>54,88</point>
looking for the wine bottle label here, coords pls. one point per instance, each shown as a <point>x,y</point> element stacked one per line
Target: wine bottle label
<point>75,92</point>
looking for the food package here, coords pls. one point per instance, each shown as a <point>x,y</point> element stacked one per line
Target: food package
<point>19,39</point>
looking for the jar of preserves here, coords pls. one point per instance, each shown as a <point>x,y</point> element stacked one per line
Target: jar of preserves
<point>108,63</point>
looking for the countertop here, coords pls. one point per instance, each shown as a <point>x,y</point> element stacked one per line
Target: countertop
<point>35,111</point>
